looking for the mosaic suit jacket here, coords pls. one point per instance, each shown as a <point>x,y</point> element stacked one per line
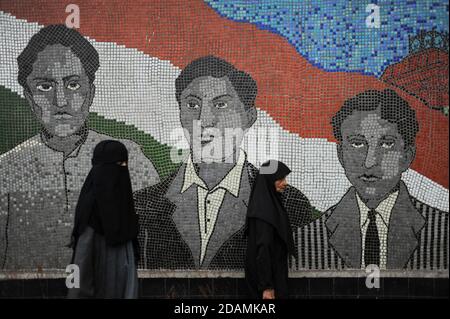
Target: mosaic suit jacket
<point>169,229</point>
<point>417,236</point>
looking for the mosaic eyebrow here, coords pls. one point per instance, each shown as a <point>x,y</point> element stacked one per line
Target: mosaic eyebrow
<point>356,135</point>
<point>43,79</point>
<point>194,96</point>
<point>69,77</point>
<point>390,137</point>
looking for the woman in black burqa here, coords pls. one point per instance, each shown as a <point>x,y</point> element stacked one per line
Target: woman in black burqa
<point>104,237</point>
<point>269,234</point>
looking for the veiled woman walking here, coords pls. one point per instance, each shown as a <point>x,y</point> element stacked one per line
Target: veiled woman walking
<point>269,233</point>
<point>105,231</point>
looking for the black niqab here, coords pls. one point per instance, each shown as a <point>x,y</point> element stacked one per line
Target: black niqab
<point>106,199</point>
<point>266,204</point>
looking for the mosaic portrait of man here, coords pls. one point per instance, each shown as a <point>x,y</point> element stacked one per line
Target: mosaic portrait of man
<point>377,222</point>
<point>41,178</point>
<point>195,218</point>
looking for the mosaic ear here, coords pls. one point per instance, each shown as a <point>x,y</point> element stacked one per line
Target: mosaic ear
<point>252,115</point>
<point>410,154</point>
<point>339,153</point>
<point>29,97</point>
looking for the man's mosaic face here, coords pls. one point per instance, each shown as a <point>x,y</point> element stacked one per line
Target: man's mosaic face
<point>373,153</point>
<point>60,92</point>
<point>210,111</point>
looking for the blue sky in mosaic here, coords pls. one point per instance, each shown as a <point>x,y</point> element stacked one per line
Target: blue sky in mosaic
<point>333,34</point>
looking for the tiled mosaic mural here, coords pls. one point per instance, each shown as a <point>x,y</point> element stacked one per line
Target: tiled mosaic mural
<point>352,97</point>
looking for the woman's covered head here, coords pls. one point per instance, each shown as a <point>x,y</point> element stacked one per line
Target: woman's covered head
<point>275,173</point>
<point>110,152</point>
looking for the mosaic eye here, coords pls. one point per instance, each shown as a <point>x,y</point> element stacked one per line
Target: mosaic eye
<point>357,143</point>
<point>193,105</point>
<point>44,87</point>
<point>221,105</point>
<point>73,85</point>
<point>388,144</point>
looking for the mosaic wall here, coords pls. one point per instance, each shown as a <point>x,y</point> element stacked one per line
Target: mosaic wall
<point>352,97</point>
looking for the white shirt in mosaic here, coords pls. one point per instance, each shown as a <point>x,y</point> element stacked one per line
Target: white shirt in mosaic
<point>210,201</point>
<point>383,215</point>
<point>39,189</point>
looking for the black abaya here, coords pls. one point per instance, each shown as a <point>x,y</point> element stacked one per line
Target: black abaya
<point>269,235</point>
<point>104,237</point>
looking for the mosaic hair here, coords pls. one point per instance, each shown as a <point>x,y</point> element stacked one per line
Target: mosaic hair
<point>242,82</point>
<point>57,34</point>
<point>393,109</point>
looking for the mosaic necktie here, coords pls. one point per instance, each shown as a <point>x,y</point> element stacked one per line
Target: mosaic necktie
<point>372,242</point>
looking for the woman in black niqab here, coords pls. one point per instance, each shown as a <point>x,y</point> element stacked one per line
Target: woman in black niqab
<point>104,237</point>
<point>269,235</point>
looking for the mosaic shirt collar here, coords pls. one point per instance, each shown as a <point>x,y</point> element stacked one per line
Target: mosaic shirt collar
<point>231,181</point>
<point>384,208</point>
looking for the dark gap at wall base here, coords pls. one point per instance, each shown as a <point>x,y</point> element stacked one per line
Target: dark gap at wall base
<point>235,288</point>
